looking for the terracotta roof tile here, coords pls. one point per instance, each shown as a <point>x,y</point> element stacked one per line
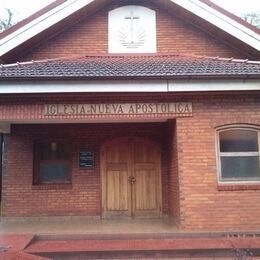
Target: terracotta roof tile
<point>138,66</point>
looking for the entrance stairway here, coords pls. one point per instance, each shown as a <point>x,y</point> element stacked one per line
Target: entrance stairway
<point>137,246</point>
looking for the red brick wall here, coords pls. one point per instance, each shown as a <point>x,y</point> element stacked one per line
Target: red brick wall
<point>174,187</point>
<point>188,158</point>
<point>203,205</point>
<point>83,197</point>
<point>90,36</point>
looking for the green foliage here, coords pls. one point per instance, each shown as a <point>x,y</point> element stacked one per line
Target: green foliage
<point>6,22</point>
<point>252,18</point>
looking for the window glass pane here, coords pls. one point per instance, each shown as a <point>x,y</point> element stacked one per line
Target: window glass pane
<point>240,167</point>
<point>54,172</point>
<point>238,140</point>
<point>54,151</point>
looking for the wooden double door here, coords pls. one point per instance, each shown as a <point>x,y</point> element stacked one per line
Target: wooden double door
<point>131,184</point>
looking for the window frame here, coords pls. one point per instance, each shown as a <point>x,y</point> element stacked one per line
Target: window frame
<point>37,161</point>
<point>229,154</point>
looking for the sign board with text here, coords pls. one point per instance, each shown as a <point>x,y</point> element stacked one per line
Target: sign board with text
<point>121,109</point>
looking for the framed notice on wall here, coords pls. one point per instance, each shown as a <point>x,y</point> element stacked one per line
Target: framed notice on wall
<point>86,159</point>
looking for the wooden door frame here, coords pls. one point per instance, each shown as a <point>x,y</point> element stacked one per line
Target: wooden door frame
<point>104,177</point>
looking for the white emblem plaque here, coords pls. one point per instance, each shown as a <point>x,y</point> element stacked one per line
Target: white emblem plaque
<point>132,29</point>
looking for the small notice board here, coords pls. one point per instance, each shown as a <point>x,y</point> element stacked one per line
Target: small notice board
<point>86,159</point>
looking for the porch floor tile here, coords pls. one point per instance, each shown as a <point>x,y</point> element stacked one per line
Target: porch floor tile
<point>85,226</point>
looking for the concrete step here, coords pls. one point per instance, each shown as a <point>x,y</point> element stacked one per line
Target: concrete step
<point>146,246</point>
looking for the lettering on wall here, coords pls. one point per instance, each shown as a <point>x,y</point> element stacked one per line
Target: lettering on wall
<point>128,109</point>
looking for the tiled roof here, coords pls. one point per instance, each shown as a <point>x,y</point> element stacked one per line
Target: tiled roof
<point>139,66</point>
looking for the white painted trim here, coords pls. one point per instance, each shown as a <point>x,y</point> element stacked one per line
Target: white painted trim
<point>213,85</point>
<point>130,86</point>
<point>87,86</point>
<point>235,181</point>
<point>238,154</point>
<point>222,21</point>
<point>40,24</point>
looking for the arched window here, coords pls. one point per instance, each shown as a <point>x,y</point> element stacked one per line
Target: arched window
<point>238,154</point>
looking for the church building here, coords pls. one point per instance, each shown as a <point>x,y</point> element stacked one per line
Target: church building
<point>128,109</point>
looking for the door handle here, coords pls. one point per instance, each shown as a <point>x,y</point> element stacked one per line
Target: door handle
<point>131,180</point>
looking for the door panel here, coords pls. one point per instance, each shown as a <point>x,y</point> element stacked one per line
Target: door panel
<point>117,153</point>
<point>145,191</point>
<point>138,159</point>
<point>115,187</point>
<point>117,191</point>
<point>146,171</point>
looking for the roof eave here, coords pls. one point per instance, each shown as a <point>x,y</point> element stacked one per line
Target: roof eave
<point>226,23</point>
<point>39,24</point>
<point>158,77</point>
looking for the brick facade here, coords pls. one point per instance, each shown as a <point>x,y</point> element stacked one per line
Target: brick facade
<point>190,191</point>
<point>175,34</point>
<point>83,196</point>
<point>191,195</point>
<point>203,204</point>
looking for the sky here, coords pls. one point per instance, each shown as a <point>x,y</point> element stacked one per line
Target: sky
<point>22,9</point>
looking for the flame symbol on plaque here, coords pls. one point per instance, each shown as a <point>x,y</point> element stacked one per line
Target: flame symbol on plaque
<point>132,35</point>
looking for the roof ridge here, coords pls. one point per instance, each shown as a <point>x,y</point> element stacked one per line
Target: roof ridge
<point>27,62</point>
<point>129,67</point>
<point>133,56</point>
<point>231,59</point>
